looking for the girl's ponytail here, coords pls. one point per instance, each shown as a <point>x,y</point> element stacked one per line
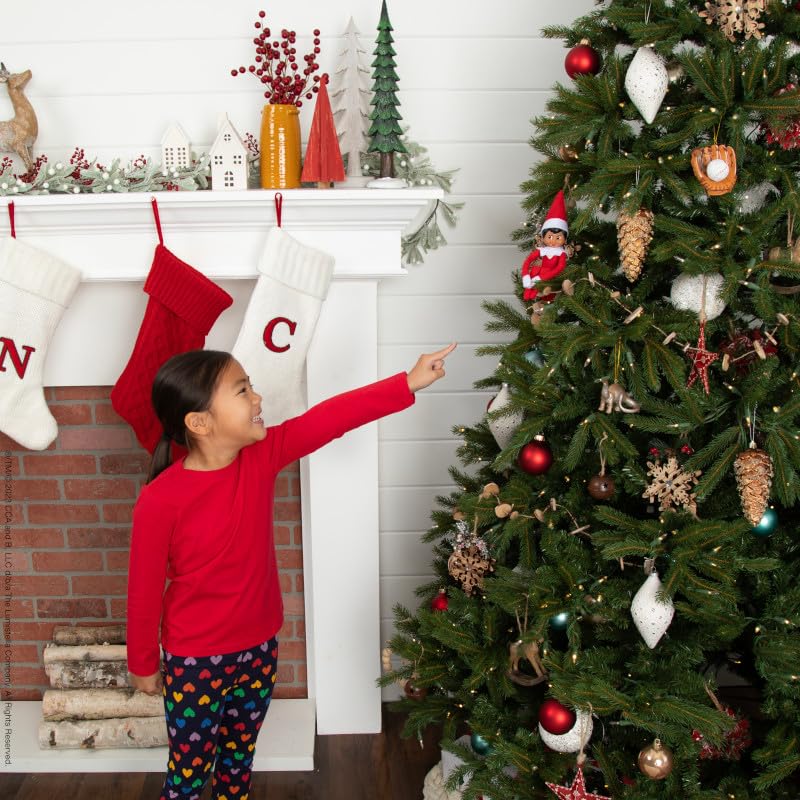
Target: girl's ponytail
<point>162,457</point>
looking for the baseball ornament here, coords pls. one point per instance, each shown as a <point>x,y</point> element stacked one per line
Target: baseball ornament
<point>715,167</point>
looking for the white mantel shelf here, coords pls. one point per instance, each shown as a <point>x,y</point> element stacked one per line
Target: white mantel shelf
<point>110,237</point>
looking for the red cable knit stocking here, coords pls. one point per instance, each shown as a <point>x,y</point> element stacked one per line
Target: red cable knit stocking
<point>183,306</point>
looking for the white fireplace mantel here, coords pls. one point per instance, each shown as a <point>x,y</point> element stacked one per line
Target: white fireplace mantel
<point>111,239</point>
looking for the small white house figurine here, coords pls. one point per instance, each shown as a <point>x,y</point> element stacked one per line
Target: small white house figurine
<point>176,150</point>
<point>228,158</point>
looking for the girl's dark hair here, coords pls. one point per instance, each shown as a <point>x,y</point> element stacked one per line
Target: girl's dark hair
<point>184,384</point>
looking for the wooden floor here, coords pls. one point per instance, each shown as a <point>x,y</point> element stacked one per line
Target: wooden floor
<point>362,767</point>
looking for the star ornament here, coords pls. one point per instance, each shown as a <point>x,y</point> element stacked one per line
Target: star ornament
<point>702,359</point>
<point>577,791</point>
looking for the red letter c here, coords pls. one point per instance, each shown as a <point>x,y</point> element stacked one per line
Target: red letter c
<point>268,332</point>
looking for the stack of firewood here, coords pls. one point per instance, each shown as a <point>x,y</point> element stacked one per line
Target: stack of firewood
<point>92,704</point>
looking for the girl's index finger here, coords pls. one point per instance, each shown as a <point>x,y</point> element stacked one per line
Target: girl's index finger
<point>443,353</point>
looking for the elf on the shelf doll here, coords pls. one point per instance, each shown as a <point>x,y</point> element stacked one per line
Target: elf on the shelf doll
<point>548,260</point>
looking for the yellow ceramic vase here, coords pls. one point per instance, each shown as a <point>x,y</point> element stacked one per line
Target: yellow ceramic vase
<point>280,147</point>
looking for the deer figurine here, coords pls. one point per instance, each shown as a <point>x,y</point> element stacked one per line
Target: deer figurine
<point>17,135</point>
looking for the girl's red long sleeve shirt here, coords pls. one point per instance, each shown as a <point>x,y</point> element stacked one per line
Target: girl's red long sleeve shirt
<point>210,533</point>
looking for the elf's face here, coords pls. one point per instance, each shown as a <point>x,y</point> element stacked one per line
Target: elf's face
<point>554,238</point>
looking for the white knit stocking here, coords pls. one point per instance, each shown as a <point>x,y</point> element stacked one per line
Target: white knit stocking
<point>279,322</point>
<point>35,289</point>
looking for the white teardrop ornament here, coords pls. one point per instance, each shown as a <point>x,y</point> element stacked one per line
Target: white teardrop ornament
<point>503,428</point>
<point>650,615</point>
<point>646,82</point>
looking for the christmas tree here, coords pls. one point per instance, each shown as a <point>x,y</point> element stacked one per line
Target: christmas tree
<point>323,161</point>
<point>385,130</point>
<point>615,611</point>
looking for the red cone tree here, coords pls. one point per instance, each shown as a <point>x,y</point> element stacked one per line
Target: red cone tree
<point>323,162</point>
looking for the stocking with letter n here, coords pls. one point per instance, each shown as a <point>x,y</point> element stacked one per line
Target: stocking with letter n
<point>35,290</point>
<point>279,322</point>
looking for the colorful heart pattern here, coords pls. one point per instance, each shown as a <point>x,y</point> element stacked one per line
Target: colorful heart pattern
<point>214,711</point>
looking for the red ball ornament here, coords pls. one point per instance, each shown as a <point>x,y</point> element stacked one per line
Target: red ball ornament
<point>536,457</point>
<point>583,59</point>
<point>439,603</point>
<point>556,718</point>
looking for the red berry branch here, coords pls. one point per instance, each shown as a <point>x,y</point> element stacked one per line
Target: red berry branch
<point>277,68</point>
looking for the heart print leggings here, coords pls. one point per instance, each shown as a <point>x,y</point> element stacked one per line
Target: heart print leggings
<point>215,706</point>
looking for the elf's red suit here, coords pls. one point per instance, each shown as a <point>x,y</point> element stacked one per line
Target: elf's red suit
<point>542,264</point>
<point>549,260</point>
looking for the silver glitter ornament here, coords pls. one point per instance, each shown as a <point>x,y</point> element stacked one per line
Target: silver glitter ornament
<point>503,428</point>
<point>687,294</point>
<point>650,615</point>
<point>646,82</point>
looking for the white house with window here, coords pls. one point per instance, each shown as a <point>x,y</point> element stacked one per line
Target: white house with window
<point>176,150</point>
<point>228,158</point>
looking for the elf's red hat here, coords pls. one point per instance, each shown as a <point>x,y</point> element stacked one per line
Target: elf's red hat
<point>557,215</point>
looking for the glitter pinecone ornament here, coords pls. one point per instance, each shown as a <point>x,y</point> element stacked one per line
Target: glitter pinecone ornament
<point>634,234</point>
<point>753,470</point>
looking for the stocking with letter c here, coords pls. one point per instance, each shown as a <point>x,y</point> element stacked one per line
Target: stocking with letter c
<point>279,322</point>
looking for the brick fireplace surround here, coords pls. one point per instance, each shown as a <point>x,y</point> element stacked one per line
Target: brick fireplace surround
<point>70,531</point>
<point>70,507</point>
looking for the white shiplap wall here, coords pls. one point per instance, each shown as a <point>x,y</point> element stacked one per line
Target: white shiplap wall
<point>110,79</point>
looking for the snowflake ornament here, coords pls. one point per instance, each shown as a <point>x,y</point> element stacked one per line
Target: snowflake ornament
<point>671,485</point>
<point>736,16</point>
<point>470,560</point>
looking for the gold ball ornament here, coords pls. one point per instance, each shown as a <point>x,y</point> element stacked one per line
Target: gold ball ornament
<point>568,153</point>
<point>656,761</point>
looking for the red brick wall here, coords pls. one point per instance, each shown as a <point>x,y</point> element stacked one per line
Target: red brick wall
<point>66,535</point>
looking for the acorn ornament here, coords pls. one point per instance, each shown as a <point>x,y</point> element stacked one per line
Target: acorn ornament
<point>656,761</point>
<point>753,470</point>
<point>634,234</point>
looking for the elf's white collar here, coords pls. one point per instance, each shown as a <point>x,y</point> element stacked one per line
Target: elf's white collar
<point>550,252</point>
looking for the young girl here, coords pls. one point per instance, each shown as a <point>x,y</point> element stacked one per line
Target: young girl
<point>205,522</point>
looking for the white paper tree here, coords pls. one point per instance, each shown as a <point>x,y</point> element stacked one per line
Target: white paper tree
<point>350,96</point>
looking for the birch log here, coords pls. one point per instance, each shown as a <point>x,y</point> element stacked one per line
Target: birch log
<point>102,733</point>
<point>85,652</point>
<point>98,634</point>
<point>99,704</point>
<point>87,674</point>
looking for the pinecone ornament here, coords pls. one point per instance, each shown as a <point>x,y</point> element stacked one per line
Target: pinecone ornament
<point>753,470</point>
<point>634,234</point>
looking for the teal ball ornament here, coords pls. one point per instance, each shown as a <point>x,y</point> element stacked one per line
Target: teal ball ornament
<point>767,525</point>
<point>480,745</point>
<point>559,622</point>
<point>534,356</point>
